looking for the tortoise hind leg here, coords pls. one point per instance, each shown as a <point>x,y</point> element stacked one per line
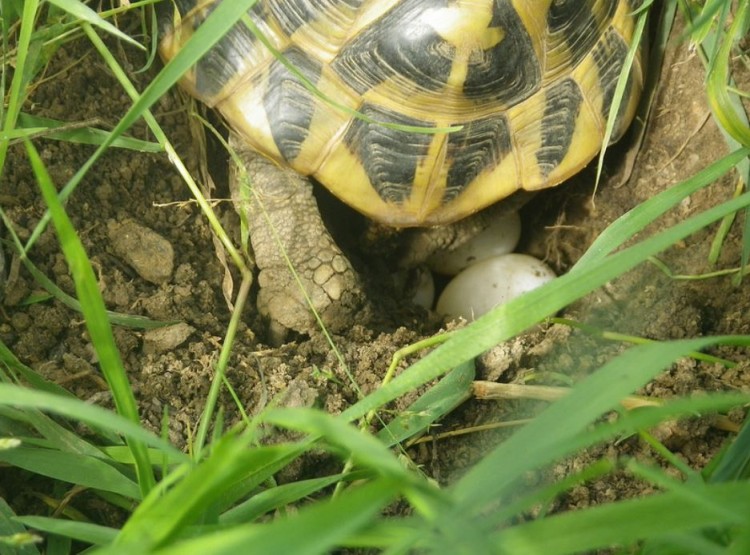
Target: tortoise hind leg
<point>283,217</point>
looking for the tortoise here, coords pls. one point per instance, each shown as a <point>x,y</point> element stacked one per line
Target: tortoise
<point>428,111</point>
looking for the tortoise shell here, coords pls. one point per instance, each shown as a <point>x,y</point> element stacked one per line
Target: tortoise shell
<point>529,82</point>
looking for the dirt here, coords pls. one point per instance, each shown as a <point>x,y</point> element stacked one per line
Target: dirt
<point>141,194</point>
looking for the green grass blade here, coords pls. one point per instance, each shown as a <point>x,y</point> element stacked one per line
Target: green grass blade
<point>72,468</point>
<point>630,223</point>
<point>622,84</point>
<point>215,26</point>
<point>59,437</point>
<point>724,105</point>
<point>735,461</point>
<point>713,44</point>
<point>16,95</point>
<point>127,320</point>
<point>740,542</point>
<point>631,422</point>
<point>95,314</point>
<point>10,361</point>
<point>465,529</point>
<point>452,390</point>
<point>569,416</point>
<point>512,318</point>
<point>81,531</point>
<point>636,519</point>
<point>121,454</point>
<point>10,528</point>
<point>702,23</point>
<point>275,498</point>
<point>364,448</point>
<point>82,12</point>
<point>75,409</point>
<point>33,126</point>
<point>164,516</point>
<point>316,529</point>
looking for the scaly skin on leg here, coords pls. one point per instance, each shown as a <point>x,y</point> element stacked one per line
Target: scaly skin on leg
<point>326,274</point>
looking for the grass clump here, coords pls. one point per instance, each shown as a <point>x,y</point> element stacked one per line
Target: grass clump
<point>221,497</point>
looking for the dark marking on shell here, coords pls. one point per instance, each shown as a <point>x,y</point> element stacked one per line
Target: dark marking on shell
<point>289,105</point>
<point>508,72</point>
<point>479,145</point>
<point>221,64</point>
<point>609,56</point>
<point>579,23</point>
<point>403,50</point>
<point>228,57</point>
<point>401,44</point>
<point>558,124</point>
<point>389,156</point>
<point>293,14</point>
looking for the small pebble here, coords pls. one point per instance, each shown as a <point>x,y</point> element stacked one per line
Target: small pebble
<point>162,340</point>
<point>486,284</point>
<point>147,252</point>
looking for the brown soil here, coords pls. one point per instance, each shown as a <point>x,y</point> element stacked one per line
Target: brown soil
<point>129,194</point>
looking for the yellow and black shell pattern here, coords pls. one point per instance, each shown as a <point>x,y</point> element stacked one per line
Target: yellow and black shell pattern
<point>530,82</point>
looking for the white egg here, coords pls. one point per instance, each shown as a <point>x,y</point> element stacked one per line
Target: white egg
<point>486,284</point>
<point>499,238</point>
